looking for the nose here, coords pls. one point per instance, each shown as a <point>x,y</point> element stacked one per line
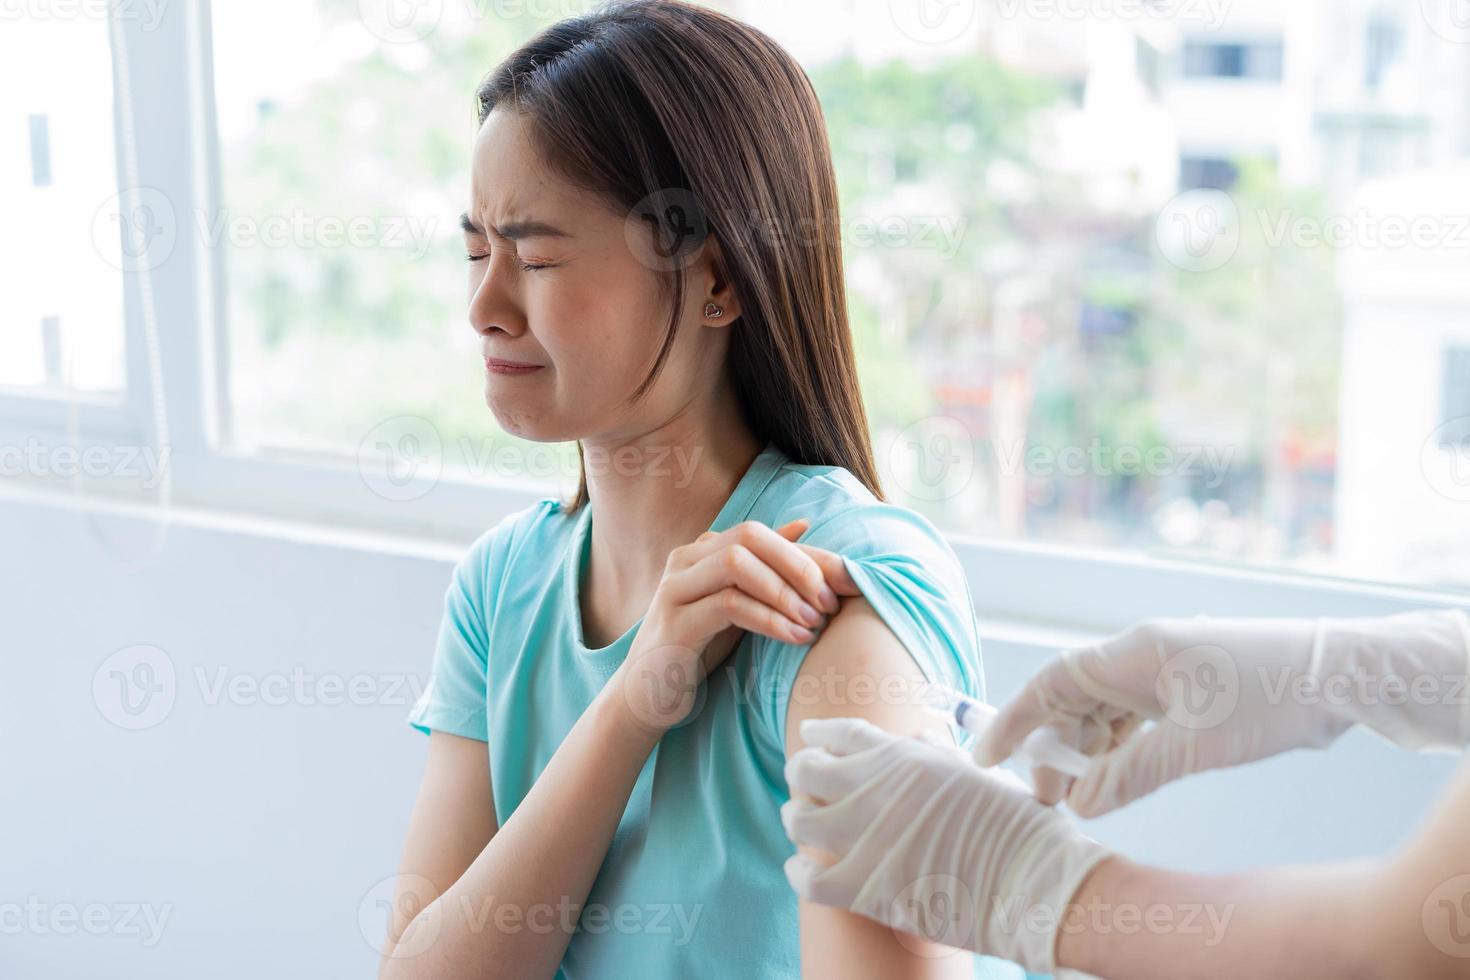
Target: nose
<point>493,303</point>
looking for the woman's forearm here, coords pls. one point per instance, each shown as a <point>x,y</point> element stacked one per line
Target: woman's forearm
<point>513,911</point>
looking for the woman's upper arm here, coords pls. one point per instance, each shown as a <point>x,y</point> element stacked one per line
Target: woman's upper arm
<point>453,819</point>
<point>858,668</point>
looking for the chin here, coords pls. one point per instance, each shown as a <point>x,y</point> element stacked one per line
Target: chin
<point>523,424</point>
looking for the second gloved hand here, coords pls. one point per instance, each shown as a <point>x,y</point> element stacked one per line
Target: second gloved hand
<point>929,843</point>
<point>1173,697</point>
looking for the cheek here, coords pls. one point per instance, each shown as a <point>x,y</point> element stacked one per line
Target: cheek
<point>612,328</point>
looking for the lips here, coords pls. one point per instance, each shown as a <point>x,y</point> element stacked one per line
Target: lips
<point>499,365</point>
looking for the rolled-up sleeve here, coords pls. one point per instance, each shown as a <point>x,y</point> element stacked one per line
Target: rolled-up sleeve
<point>912,579</point>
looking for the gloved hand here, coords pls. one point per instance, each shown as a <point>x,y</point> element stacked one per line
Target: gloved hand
<point>1222,692</point>
<point>928,843</point>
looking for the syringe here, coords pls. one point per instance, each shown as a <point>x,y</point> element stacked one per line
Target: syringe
<point>1043,747</point>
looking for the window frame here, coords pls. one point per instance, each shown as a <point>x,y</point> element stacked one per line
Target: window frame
<point>1018,587</point>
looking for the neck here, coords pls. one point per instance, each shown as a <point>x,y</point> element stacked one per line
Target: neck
<point>651,493</point>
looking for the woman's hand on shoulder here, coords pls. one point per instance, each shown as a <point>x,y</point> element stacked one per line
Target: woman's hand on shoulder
<point>750,577</point>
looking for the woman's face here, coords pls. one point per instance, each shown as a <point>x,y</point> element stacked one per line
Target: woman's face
<point>555,282</point>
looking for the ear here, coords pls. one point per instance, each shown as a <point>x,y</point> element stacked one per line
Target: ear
<point>718,289</point>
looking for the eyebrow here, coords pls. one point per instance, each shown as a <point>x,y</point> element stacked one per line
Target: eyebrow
<point>514,231</point>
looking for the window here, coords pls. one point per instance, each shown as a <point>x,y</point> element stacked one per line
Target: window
<point>58,181</point>
<point>1455,431</point>
<point>1149,65</point>
<point>1384,47</point>
<point>1196,172</point>
<point>343,169</point>
<point>1072,361</point>
<point>1260,61</point>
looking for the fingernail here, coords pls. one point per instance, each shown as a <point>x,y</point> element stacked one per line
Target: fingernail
<point>828,598</point>
<point>809,614</point>
<point>802,634</point>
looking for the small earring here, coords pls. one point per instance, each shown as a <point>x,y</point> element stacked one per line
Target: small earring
<point>713,312</point>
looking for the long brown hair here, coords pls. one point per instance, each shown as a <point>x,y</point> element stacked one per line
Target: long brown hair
<point>702,125</point>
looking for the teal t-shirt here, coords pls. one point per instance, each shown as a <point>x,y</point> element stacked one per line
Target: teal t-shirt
<point>692,885</point>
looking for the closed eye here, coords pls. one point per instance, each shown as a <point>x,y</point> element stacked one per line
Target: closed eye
<point>520,264</point>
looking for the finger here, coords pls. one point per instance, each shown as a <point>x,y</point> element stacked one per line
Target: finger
<point>814,882</point>
<point>943,741</point>
<point>795,564</point>
<point>843,736</point>
<point>777,551</point>
<point>1135,769</point>
<point>1108,675</point>
<point>826,777</point>
<point>737,565</point>
<point>731,606</point>
<point>1121,729</point>
<point>1004,777</point>
<point>791,530</point>
<point>834,829</point>
<point>1033,707</point>
<point>722,643</point>
<point>1049,786</point>
<point>938,739</point>
<point>834,569</point>
<point>812,825</point>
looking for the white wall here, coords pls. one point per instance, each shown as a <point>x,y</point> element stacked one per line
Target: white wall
<point>261,829</point>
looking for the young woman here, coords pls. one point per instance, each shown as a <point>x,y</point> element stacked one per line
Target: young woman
<point>655,272</point>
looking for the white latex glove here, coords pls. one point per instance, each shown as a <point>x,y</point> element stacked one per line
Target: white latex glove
<point>1222,692</point>
<point>929,843</point>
